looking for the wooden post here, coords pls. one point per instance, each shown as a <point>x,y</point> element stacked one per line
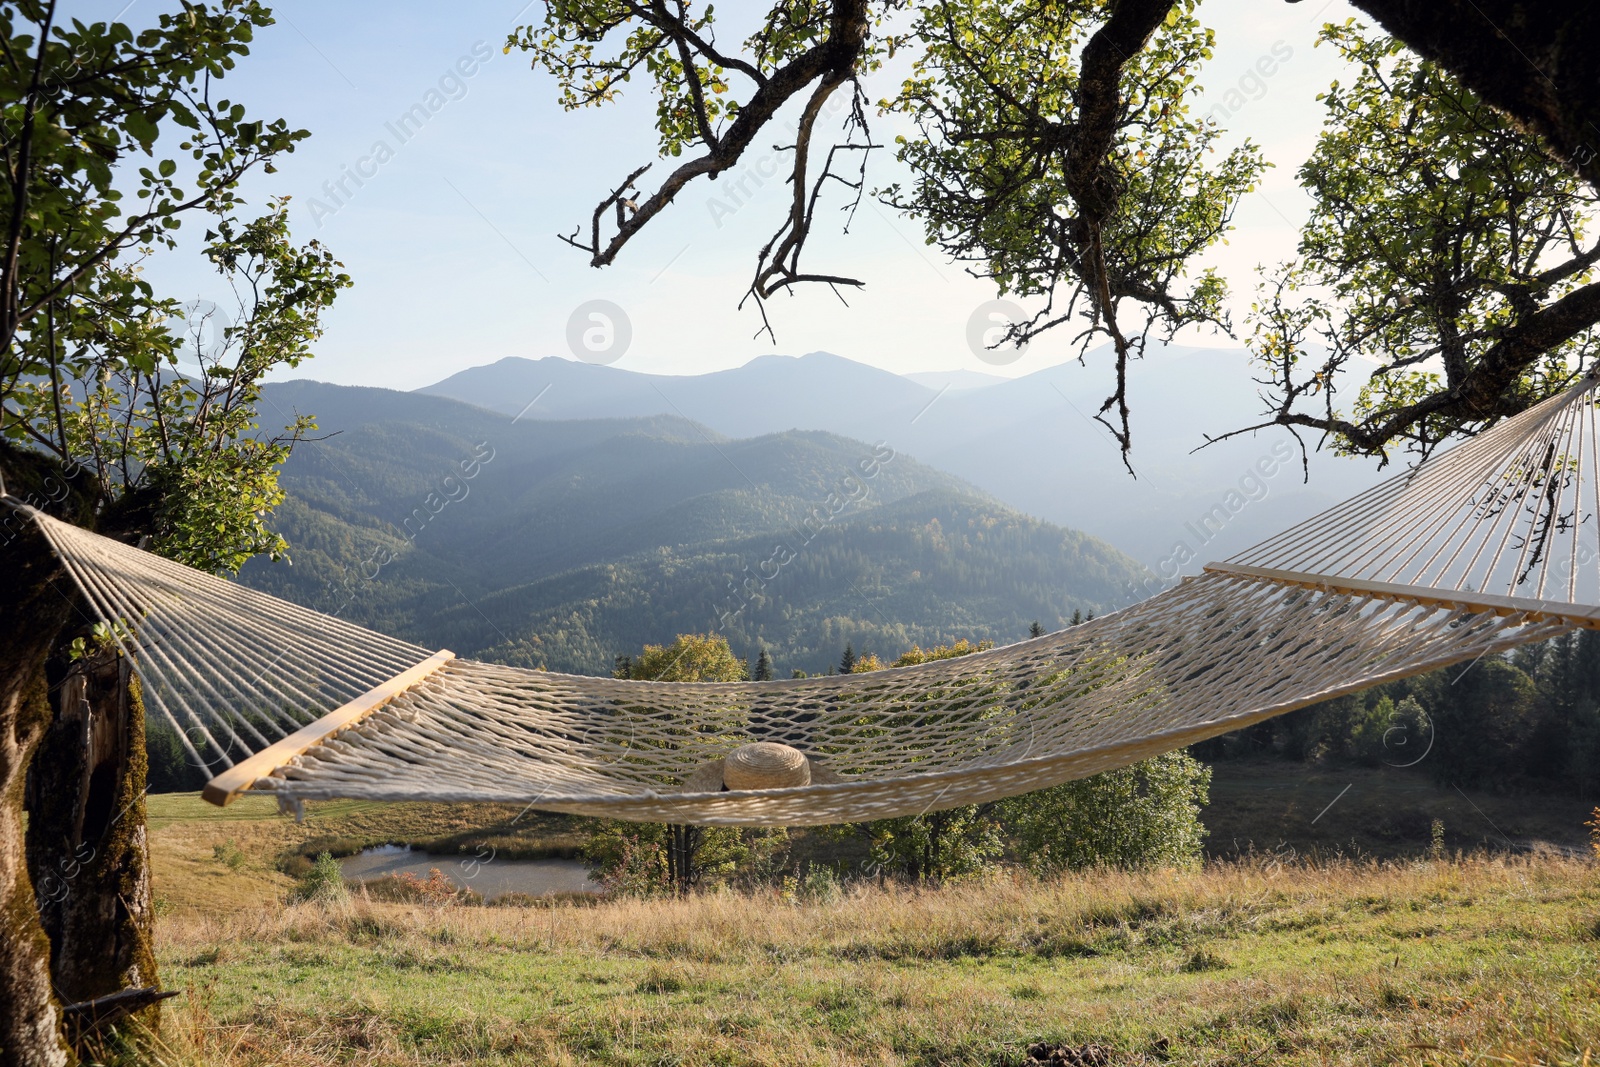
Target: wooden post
<point>1503,606</point>
<point>222,789</point>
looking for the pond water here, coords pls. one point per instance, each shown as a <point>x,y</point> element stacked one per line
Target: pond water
<point>488,877</point>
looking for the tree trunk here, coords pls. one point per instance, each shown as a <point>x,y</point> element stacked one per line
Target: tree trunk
<point>88,848</point>
<point>682,843</point>
<point>1537,62</point>
<point>35,598</point>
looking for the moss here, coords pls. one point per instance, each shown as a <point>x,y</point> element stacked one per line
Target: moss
<point>32,719</point>
<point>99,912</point>
<point>129,839</point>
<point>25,952</point>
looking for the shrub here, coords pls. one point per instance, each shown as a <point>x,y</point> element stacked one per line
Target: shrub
<point>628,860</point>
<point>229,853</point>
<point>1140,816</point>
<point>323,883</point>
<point>435,891</point>
<point>819,884</point>
<point>632,859</point>
<point>933,847</point>
<point>294,865</point>
<point>942,844</point>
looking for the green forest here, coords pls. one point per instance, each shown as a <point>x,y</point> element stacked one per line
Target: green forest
<point>561,545</point>
<point>1527,721</point>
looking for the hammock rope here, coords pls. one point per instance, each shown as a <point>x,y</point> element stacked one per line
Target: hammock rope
<point>1485,547</point>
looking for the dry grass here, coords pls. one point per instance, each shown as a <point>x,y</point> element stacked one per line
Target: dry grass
<point>1011,913</point>
<point>1271,959</point>
<point>1457,961</point>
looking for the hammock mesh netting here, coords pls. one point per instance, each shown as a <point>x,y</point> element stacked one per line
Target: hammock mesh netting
<point>1487,546</point>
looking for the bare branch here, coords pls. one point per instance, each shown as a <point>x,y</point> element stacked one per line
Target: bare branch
<point>823,67</point>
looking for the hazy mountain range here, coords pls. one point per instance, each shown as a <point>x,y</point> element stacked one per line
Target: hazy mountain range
<point>563,542</point>
<point>1029,441</point>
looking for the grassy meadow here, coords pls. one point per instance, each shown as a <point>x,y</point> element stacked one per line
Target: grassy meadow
<point>1328,951</point>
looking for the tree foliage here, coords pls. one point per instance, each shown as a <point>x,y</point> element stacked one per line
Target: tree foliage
<point>714,102</point>
<point>646,858</point>
<point>1532,63</point>
<point>90,365</point>
<point>86,104</point>
<point>1444,245</point>
<point>112,138</point>
<point>1529,720</point>
<point>1005,178</point>
<point>185,441</point>
<point>1381,731</point>
<point>1058,157</point>
<point>935,846</point>
<point>1146,815</point>
<point>1038,115</point>
<point>917,654</point>
<point>690,658</point>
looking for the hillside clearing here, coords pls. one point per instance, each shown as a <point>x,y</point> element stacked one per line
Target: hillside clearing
<point>1424,962</point>
<point>1269,959</point>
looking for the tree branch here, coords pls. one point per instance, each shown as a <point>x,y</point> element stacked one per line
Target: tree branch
<point>1534,62</point>
<point>833,58</point>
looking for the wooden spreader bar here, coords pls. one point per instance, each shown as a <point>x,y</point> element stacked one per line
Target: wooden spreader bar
<point>241,776</point>
<point>1503,606</point>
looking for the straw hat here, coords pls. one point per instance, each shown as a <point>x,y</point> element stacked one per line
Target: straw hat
<point>758,765</point>
<point>765,765</point>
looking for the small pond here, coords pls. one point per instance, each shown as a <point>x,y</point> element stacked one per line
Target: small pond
<point>489,878</point>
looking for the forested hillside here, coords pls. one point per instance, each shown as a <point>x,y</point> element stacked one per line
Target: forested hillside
<point>1526,720</point>
<point>993,433</point>
<point>563,543</point>
<point>929,569</point>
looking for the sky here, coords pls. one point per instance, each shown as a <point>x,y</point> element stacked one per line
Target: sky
<point>451,235</point>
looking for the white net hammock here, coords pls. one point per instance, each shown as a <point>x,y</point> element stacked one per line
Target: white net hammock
<point>1490,545</point>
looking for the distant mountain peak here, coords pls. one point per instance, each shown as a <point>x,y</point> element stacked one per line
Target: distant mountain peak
<point>583,538</point>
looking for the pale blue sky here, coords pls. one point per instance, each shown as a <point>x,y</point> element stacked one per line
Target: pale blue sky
<point>451,242</point>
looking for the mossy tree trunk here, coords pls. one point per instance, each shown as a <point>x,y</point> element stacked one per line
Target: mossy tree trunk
<point>88,845</point>
<point>39,612</point>
<point>35,600</point>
